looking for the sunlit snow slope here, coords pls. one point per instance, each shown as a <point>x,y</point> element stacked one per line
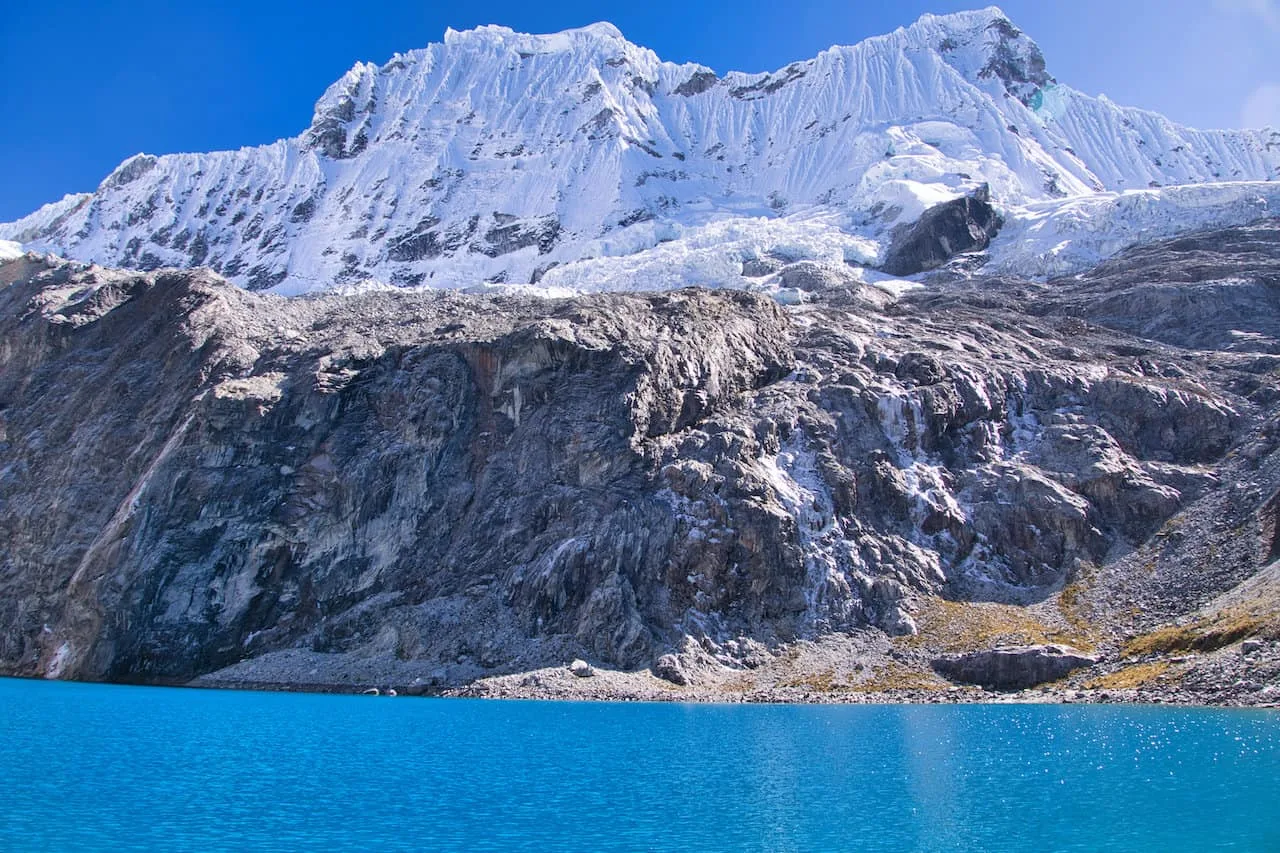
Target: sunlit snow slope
<point>504,157</point>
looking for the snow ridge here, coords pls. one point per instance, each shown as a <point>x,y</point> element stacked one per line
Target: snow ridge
<point>563,159</point>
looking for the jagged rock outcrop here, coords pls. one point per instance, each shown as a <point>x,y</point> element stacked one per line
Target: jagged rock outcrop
<point>195,479</point>
<point>965,224</point>
<point>669,668</point>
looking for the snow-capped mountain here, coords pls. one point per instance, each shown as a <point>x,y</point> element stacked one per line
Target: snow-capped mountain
<point>579,160</point>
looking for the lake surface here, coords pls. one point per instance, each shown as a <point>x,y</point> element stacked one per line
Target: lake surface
<point>92,767</point>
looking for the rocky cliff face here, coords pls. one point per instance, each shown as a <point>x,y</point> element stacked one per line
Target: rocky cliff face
<point>434,487</point>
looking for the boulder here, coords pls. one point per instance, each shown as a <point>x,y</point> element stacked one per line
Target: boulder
<point>812,276</point>
<point>1014,667</point>
<point>669,668</point>
<point>581,668</point>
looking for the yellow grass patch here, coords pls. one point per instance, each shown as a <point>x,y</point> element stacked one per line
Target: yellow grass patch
<point>1131,676</point>
<point>896,676</point>
<point>956,626</point>
<point>820,682</point>
<point>893,675</point>
<point>739,684</point>
<point>1204,635</point>
<point>1071,606</point>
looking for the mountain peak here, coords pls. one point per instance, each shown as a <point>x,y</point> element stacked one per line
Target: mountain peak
<point>561,159</point>
<point>600,29</point>
<point>985,45</point>
<point>598,34</point>
<point>969,19</point>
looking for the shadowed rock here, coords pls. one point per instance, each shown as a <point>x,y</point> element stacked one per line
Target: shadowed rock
<point>1014,667</point>
<point>669,668</point>
<point>965,224</point>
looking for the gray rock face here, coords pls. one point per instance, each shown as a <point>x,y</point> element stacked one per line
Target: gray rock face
<point>1014,668</point>
<point>436,479</point>
<point>1196,302</point>
<point>812,276</point>
<point>669,668</point>
<point>1018,63</point>
<point>964,224</point>
<point>442,486</point>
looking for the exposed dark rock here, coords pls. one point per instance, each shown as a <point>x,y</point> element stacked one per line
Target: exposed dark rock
<point>430,437</point>
<point>329,133</point>
<point>1207,297</point>
<point>130,170</point>
<point>649,87</point>
<point>420,243</point>
<point>645,147</point>
<point>634,217</point>
<point>770,83</point>
<point>1014,667</point>
<point>303,210</point>
<point>504,239</point>
<point>198,250</point>
<point>263,277</point>
<point>1017,62</point>
<point>700,82</point>
<point>427,242</point>
<point>965,224</point>
<point>603,123</point>
<point>340,128</point>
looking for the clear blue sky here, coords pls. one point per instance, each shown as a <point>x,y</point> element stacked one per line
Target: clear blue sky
<point>88,83</point>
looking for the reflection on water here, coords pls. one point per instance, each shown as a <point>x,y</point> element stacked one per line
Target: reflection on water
<point>89,767</point>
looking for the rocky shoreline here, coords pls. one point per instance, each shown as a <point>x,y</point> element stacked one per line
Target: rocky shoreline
<point>1230,677</point>
<point>1245,697</point>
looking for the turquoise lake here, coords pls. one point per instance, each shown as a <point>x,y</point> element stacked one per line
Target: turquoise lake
<point>91,767</point>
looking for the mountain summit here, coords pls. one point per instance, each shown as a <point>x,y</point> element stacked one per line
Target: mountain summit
<point>498,156</point>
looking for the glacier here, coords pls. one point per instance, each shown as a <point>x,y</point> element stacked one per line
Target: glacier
<point>579,161</point>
